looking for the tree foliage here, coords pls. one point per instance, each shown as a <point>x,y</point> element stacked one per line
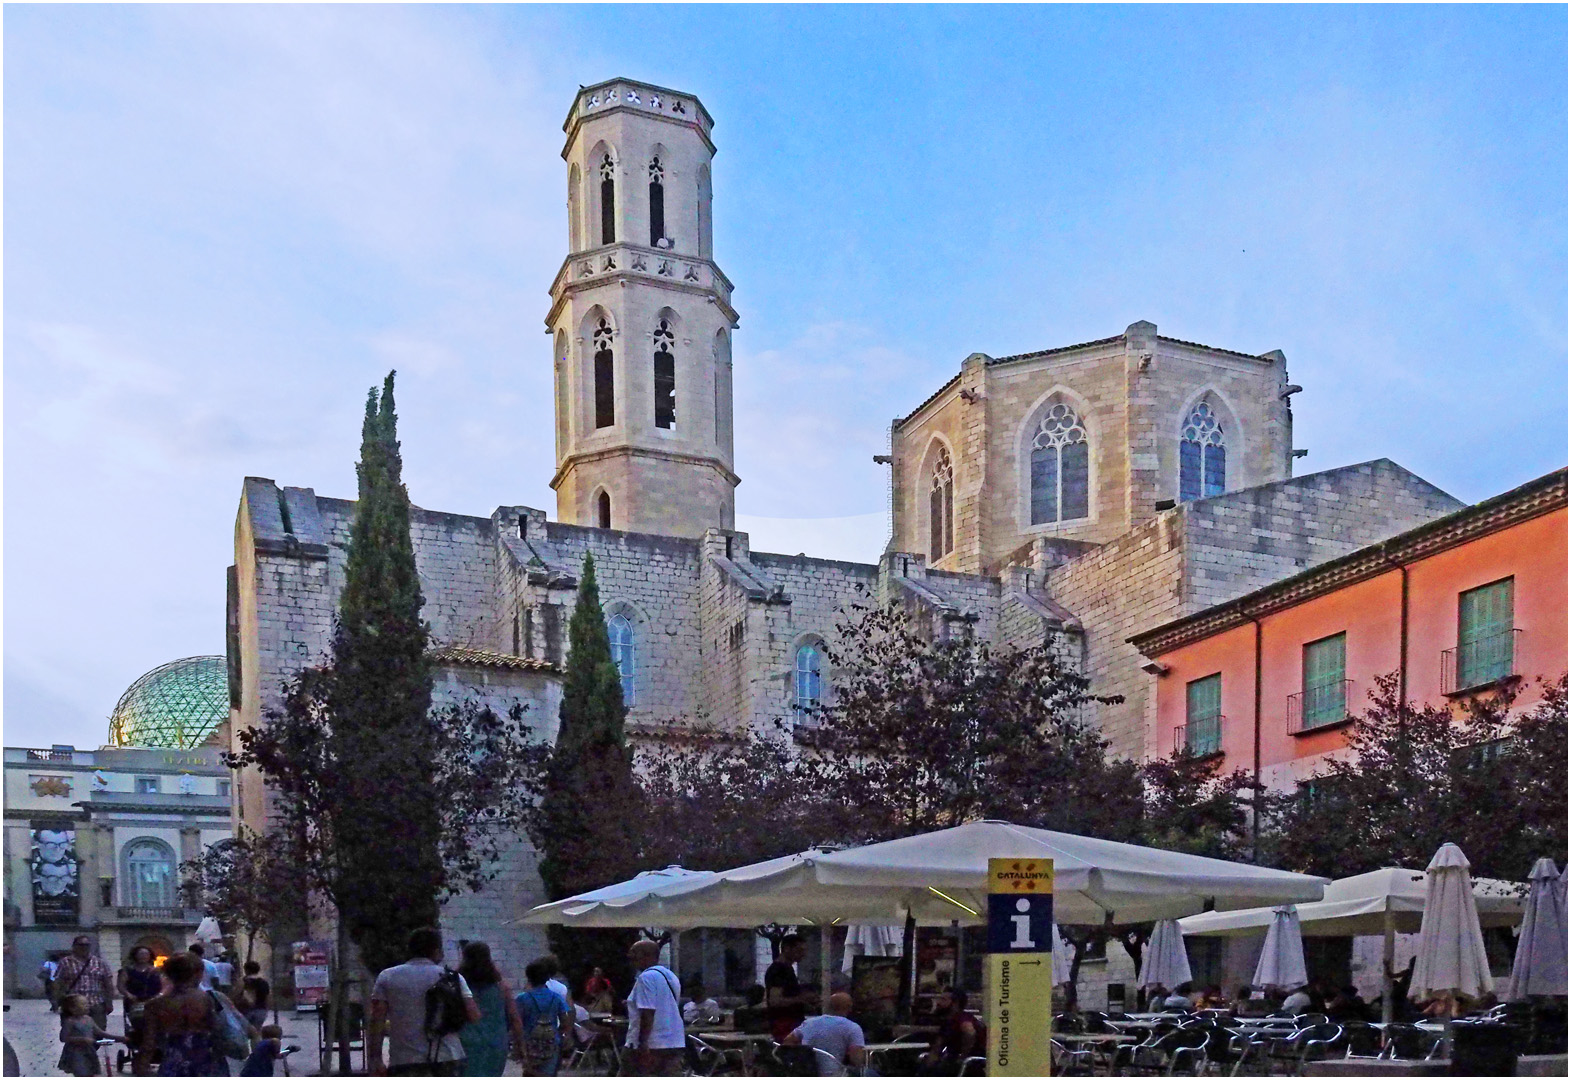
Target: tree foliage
<point>249,883</point>
<point>1416,777</point>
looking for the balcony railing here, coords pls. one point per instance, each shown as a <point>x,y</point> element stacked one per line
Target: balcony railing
<point>1479,663</point>
<point>1319,706</point>
<point>138,913</point>
<point>1201,737</point>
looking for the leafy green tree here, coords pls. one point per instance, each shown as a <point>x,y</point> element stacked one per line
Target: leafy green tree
<point>588,829</point>
<point>1492,782</point>
<point>249,883</point>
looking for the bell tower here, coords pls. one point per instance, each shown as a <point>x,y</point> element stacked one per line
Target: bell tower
<point>641,320</point>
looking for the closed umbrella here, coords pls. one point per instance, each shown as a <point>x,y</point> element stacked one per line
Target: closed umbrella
<point>1282,960</point>
<point>1451,960</point>
<point>1540,966</point>
<point>1063,957</point>
<point>1165,962</point>
<point>863,939</point>
<point>208,930</point>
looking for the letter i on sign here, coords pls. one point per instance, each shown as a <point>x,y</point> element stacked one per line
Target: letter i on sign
<point>1023,925</point>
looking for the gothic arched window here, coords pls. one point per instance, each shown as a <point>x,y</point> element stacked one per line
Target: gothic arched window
<point>620,630</point>
<point>608,200</point>
<point>1203,459</point>
<point>1060,464</point>
<point>941,508</point>
<point>808,683</point>
<point>603,510</point>
<point>665,376</point>
<point>150,874</point>
<point>605,389</point>
<point>657,203</point>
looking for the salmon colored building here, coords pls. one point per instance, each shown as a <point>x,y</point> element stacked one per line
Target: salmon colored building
<point>1463,606</point>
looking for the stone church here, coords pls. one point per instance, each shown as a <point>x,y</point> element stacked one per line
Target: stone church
<point>1079,494</point>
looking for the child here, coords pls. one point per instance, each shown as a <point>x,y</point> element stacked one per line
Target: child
<point>260,1063</point>
<point>80,1035</point>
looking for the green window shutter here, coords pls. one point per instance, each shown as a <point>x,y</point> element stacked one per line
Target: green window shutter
<point>1484,634</point>
<point>1325,669</point>
<point>1204,698</point>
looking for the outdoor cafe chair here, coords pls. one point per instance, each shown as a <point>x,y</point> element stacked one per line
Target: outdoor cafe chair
<point>1066,1062</point>
<point>704,1059</point>
<point>974,1066</point>
<point>1409,1043</point>
<point>1361,1040</point>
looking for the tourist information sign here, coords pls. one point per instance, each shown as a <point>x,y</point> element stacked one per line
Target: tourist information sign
<point>1020,966</point>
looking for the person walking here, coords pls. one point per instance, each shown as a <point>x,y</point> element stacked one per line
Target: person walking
<point>254,994</point>
<point>656,1037</point>
<point>82,971</point>
<point>177,1029</point>
<point>545,1022</point>
<point>398,1010</point>
<point>486,1041</point>
<point>80,1035</point>
<point>46,975</point>
<point>138,983</point>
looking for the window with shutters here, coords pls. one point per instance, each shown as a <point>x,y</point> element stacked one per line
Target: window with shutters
<point>665,376</point>
<point>1202,734</point>
<point>1203,457</point>
<point>1324,699</point>
<point>605,388</point>
<point>1485,635</point>
<point>941,507</point>
<point>1060,463</point>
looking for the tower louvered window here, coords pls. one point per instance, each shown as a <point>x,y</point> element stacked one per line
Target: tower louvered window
<point>608,200</point>
<point>941,508</point>
<point>1203,458</point>
<point>1060,467</point>
<point>657,203</point>
<point>605,389</point>
<point>665,376</point>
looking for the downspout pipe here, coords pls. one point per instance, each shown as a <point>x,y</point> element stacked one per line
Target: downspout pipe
<point>1402,633</point>
<point>1255,793</point>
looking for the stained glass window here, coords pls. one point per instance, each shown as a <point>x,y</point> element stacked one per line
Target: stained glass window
<point>1203,458</point>
<point>1060,465</point>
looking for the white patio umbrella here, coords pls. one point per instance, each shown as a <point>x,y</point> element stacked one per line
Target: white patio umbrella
<point>1164,962</point>
<point>1451,960</point>
<point>941,877</point>
<point>1282,960</point>
<point>640,885</point>
<point>865,940</point>
<point>208,930</point>
<point>1540,966</point>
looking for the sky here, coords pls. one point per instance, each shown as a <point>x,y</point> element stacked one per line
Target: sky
<point>223,224</point>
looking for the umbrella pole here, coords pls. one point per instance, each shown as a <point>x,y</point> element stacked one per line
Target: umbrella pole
<point>1388,958</point>
<point>826,942</point>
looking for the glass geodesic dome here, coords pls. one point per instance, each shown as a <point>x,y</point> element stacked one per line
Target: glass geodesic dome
<point>175,706</point>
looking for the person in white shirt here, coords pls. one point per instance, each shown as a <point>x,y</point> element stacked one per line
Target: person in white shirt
<point>656,1036</point>
<point>553,983</point>
<point>1298,1002</point>
<point>701,1009</point>
<point>838,1036</point>
<point>223,974</point>
<point>209,969</point>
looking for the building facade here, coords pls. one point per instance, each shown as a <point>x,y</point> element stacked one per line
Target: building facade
<point>1075,496</point>
<point>1463,606</point>
<point>93,844</point>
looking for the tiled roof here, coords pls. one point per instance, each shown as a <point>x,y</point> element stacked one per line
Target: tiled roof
<point>462,656</point>
<point>1537,497</point>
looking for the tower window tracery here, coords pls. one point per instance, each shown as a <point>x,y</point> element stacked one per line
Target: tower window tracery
<point>1203,455</point>
<point>665,376</point>
<point>1060,467</point>
<point>608,200</point>
<point>605,389</point>
<point>657,202</point>
<point>620,631</point>
<point>941,508</point>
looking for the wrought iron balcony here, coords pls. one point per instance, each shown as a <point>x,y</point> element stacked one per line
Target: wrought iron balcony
<point>1479,663</point>
<point>138,913</point>
<point>1201,737</point>
<point>1317,707</point>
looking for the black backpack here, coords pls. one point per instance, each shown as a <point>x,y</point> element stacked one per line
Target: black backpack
<point>445,1012</point>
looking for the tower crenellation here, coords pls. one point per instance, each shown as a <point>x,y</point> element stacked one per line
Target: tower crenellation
<point>641,319</point>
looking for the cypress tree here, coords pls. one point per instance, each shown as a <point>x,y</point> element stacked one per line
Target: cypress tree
<point>379,699</point>
<point>587,831</point>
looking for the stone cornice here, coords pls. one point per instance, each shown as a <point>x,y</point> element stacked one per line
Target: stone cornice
<point>1534,499</point>
<point>639,451</point>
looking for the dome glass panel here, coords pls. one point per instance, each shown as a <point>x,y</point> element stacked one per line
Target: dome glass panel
<point>176,706</point>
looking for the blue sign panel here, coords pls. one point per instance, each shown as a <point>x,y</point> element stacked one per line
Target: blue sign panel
<point>1020,923</point>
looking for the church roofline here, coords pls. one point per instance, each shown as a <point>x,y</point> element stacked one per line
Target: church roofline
<point>1537,497</point>
<point>464,656</point>
<point>702,124</point>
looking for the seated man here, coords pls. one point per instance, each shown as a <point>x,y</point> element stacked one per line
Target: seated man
<point>834,1033</point>
<point>960,1036</point>
<point>1179,999</point>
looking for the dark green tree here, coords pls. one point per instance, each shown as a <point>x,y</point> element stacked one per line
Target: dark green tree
<point>379,699</point>
<point>589,824</point>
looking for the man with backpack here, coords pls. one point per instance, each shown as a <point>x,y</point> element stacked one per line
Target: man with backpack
<point>657,1041</point>
<point>421,1007</point>
<point>547,1021</point>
